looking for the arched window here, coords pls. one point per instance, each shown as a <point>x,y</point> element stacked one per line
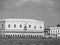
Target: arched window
<point>40,27</point>
<point>25,27</point>
<point>14,25</point>
<point>34,27</point>
<point>20,26</point>
<point>58,31</point>
<point>29,26</point>
<point>8,25</point>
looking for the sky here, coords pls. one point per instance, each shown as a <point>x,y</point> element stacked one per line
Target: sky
<point>46,10</point>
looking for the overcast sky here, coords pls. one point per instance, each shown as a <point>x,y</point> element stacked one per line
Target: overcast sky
<point>46,10</point>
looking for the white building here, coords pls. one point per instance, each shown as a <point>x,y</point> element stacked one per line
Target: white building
<point>55,31</point>
<point>23,27</point>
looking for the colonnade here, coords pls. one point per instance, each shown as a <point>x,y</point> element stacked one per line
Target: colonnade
<point>24,36</point>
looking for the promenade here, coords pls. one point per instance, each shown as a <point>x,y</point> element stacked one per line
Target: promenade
<point>18,41</point>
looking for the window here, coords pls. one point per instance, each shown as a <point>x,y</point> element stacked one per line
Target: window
<point>29,26</point>
<point>14,25</point>
<point>8,25</point>
<point>40,27</point>
<point>34,27</point>
<point>25,27</point>
<point>58,31</point>
<point>51,31</point>
<point>20,25</point>
<point>2,25</point>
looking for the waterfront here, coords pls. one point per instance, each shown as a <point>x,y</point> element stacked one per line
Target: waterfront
<point>41,41</point>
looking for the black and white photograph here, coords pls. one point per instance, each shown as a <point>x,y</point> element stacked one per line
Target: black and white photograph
<point>29,22</point>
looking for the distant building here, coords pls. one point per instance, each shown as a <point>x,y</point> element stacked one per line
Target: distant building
<point>58,25</point>
<point>23,27</point>
<point>54,31</point>
<point>46,32</point>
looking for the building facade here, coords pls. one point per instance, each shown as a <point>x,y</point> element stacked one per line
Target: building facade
<point>55,31</point>
<point>47,32</point>
<point>23,27</point>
